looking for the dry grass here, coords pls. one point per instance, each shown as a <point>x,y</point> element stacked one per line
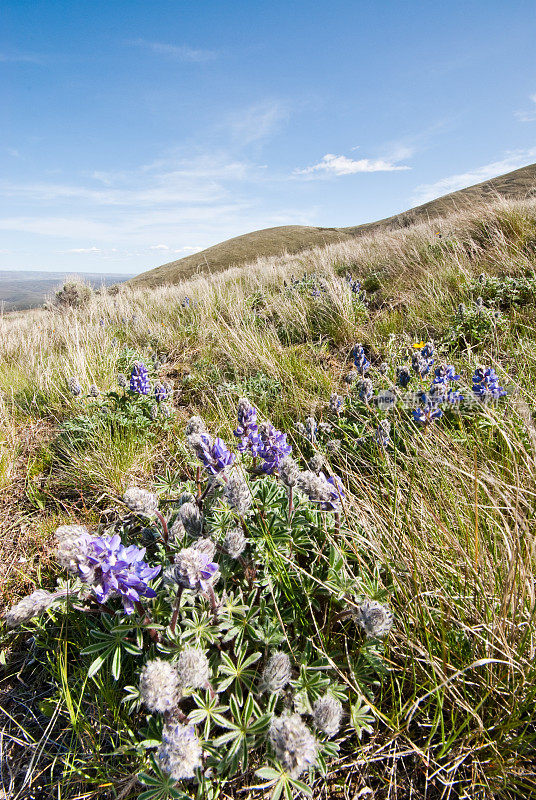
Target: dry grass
<point>447,518</point>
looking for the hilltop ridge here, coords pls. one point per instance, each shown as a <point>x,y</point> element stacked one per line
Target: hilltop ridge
<point>520,183</point>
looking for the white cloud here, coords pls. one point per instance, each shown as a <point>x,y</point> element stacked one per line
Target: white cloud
<point>527,115</point>
<point>84,250</point>
<point>514,160</point>
<point>332,164</point>
<point>159,247</point>
<point>177,52</point>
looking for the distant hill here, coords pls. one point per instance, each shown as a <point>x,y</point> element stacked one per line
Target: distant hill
<point>22,289</point>
<point>293,238</point>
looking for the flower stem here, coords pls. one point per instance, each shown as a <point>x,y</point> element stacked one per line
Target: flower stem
<point>213,601</point>
<point>175,615</point>
<point>147,621</point>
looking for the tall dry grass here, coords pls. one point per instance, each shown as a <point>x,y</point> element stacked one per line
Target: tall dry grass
<point>447,517</point>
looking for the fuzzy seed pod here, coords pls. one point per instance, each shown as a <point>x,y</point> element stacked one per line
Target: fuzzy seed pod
<point>294,745</point>
<point>140,501</point>
<point>177,530</point>
<point>316,463</point>
<point>276,674</point>
<point>31,606</point>
<point>74,387</point>
<point>375,618</point>
<point>192,668</point>
<point>235,543</point>
<point>159,685</point>
<point>289,471</point>
<point>195,425</point>
<point>191,518</point>
<point>93,391</point>
<point>333,446</point>
<point>122,381</point>
<point>327,714</point>
<point>72,543</point>
<point>365,390</point>
<point>180,752</point>
<point>237,494</point>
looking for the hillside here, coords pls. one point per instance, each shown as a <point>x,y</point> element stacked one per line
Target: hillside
<point>380,584</point>
<point>292,239</point>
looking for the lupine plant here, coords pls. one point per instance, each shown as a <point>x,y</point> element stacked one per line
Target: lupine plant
<point>195,616</point>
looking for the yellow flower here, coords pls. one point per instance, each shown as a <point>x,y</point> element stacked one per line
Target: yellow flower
<point>418,345</point>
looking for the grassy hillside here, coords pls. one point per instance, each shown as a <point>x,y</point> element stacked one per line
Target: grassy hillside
<point>292,239</point>
<point>434,521</point>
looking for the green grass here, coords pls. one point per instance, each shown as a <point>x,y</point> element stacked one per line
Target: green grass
<point>441,527</point>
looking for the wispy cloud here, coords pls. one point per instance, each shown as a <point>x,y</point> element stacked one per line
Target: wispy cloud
<point>513,160</point>
<point>528,115</point>
<point>332,164</point>
<point>258,121</point>
<point>176,52</point>
<point>21,58</point>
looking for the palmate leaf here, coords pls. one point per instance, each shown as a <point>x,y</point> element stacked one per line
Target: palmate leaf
<point>361,718</point>
<point>162,787</point>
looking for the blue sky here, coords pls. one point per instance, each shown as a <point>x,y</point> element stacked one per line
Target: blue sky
<point>134,133</point>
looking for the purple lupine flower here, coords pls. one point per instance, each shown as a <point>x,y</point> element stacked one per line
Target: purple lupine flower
<point>193,567</point>
<point>336,493</point>
<point>248,430</point>
<point>421,365</point>
<point>454,397</point>
<point>427,413</point>
<point>403,377</point>
<point>445,374</point>
<point>273,448</point>
<point>428,350</point>
<point>327,492</point>
<point>139,378</point>
<point>214,455</point>
<point>161,392</point>
<point>486,385</point>
<point>113,569</point>
<point>186,302</point>
<point>360,360</point>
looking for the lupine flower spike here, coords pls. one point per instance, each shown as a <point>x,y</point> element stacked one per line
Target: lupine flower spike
<point>113,569</point>
<point>360,360</point>
<point>486,385</point>
<point>273,448</point>
<point>74,387</point>
<point>247,431</point>
<point>139,378</point>
<point>214,455</point>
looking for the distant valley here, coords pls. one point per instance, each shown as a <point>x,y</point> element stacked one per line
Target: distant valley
<point>21,289</point>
